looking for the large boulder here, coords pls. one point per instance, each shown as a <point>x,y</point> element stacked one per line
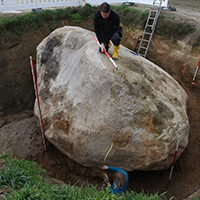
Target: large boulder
<point>86,104</point>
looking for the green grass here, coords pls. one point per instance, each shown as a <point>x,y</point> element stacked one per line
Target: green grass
<point>130,16</point>
<point>162,16</point>
<point>73,16</point>
<point>76,17</point>
<point>144,15</point>
<point>25,180</point>
<point>18,23</point>
<point>123,9</point>
<point>171,18</point>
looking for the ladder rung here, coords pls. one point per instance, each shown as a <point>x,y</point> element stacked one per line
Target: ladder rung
<point>145,40</point>
<point>148,33</point>
<point>150,25</point>
<point>143,47</point>
<point>151,17</point>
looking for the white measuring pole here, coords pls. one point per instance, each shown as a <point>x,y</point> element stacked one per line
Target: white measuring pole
<point>194,75</point>
<point>174,160</point>
<point>37,97</point>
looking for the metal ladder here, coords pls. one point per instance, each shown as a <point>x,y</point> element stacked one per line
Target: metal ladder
<point>149,28</point>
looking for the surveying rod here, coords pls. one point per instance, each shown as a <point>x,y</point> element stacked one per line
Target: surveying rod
<point>195,75</point>
<point>37,97</point>
<point>174,160</point>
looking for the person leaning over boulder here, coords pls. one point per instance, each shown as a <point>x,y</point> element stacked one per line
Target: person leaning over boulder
<point>107,27</point>
<point>120,181</point>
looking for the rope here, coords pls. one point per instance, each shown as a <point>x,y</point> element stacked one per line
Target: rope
<point>111,101</point>
<point>105,176</point>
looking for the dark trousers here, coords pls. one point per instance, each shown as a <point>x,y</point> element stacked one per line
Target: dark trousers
<point>115,38</point>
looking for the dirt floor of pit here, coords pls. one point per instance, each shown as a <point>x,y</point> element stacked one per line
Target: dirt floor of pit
<point>186,175</point>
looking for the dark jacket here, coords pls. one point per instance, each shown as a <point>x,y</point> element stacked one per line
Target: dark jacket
<point>105,28</point>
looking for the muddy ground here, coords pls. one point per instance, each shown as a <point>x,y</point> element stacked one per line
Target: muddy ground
<point>186,175</point>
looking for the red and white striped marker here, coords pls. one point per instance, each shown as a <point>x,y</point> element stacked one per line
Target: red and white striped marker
<point>37,97</point>
<point>174,159</point>
<point>195,75</point>
<point>107,54</point>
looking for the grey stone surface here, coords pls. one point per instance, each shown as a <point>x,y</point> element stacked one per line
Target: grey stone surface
<point>86,104</point>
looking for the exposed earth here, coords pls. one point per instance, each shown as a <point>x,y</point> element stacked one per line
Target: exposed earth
<point>186,175</point>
